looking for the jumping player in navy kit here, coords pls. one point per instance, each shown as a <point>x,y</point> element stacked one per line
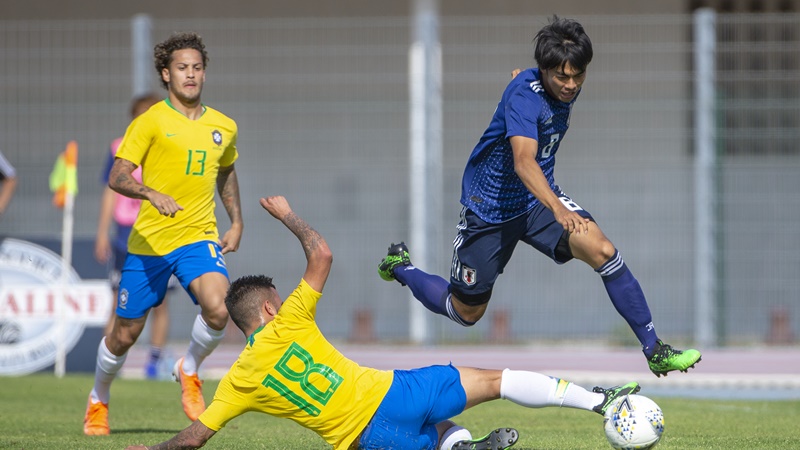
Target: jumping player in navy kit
<point>509,195</point>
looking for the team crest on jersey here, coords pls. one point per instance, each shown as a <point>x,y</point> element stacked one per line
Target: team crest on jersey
<point>217,136</point>
<point>468,275</point>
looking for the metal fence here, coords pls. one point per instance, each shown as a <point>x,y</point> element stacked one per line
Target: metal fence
<point>322,106</point>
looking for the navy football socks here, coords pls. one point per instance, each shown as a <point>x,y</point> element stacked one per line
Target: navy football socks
<point>628,299</point>
<point>430,290</point>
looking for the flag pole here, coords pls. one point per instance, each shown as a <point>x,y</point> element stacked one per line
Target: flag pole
<point>66,265</point>
<point>64,184</point>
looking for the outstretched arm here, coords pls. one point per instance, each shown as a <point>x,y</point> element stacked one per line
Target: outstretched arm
<point>228,187</point>
<point>318,254</point>
<point>194,436</point>
<point>121,180</point>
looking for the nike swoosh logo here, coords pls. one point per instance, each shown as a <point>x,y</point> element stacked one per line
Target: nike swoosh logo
<point>171,134</point>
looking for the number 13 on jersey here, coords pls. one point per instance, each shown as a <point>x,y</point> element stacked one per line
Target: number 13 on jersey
<point>196,162</point>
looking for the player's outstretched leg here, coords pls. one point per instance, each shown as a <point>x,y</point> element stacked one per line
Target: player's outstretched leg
<point>666,359</point>
<point>614,393</point>
<point>499,439</point>
<point>191,392</point>
<point>395,257</point>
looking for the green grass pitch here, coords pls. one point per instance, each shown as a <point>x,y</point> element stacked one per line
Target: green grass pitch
<point>43,412</point>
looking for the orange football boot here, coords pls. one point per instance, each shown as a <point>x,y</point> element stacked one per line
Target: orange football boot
<point>96,421</point>
<point>191,393</point>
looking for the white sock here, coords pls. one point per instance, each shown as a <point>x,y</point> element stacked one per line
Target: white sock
<point>454,434</point>
<point>108,364</point>
<point>579,398</point>
<point>204,340</point>
<point>535,390</point>
<point>529,389</point>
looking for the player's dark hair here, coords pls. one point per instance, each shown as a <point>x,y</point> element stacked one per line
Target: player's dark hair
<point>245,297</point>
<point>145,100</point>
<point>162,52</point>
<point>560,42</point>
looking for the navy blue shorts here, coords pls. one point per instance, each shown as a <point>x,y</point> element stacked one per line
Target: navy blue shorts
<point>481,250</point>
<point>417,400</point>
<point>145,278</point>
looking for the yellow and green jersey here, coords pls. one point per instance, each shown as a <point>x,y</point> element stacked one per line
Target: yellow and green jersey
<point>288,369</point>
<point>179,157</point>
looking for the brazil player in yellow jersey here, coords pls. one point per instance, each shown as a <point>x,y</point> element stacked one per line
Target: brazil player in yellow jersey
<point>186,149</point>
<point>288,369</point>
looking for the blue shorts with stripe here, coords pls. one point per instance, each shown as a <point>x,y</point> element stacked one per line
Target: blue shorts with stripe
<point>145,278</point>
<point>417,400</point>
<point>481,250</point>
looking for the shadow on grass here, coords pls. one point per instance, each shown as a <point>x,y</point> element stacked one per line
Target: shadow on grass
<point>145,430</point>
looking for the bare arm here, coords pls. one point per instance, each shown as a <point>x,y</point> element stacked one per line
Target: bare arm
<point>121,180</point>
<point>228,187</point>
<point>102,245</point>
<point>7,192</point>
<point>531,174</point>
<point>318,256</point>
<point>194,436</point>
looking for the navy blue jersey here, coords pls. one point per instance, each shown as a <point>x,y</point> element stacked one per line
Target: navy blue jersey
<point>490,187</point>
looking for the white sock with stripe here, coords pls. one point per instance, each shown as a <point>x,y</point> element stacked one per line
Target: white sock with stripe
<point>535,390</point>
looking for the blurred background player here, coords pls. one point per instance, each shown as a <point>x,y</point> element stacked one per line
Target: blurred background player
<point>8,183</point>
<point>9,330</point>
<point>186,149</point>
<point>509,195</point>
<point>110,250</point>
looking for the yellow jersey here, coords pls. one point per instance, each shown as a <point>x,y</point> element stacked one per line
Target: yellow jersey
<point>179,157</point>
<point>288,369</point>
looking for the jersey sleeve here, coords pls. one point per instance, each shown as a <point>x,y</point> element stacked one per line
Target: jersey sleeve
<point>522,111</point>
<point>228,404</point>
<point>302,303</point>
<point>137,140</point>
<point>6,169</point>
<point>231,154</point>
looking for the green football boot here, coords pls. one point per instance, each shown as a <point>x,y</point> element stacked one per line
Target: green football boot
<point>666,359</point>
<point>396,256</point>
<point>499,439</point>
<point>612,394</point>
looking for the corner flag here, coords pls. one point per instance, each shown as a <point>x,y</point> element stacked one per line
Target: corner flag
<point>64,177</point>
<point>64,185</point>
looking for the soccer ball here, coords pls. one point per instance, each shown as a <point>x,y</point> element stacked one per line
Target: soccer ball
<point>633,422</point>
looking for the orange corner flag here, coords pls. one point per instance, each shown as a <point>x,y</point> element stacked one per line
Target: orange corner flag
<point>64,177</point>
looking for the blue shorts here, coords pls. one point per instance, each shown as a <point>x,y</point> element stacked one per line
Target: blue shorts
<point>481,250</point>
<point>118,262</point>
<point>417,400</point>
<point>145,278</point>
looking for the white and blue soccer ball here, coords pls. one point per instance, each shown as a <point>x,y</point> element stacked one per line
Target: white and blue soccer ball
<point>633,422</point>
